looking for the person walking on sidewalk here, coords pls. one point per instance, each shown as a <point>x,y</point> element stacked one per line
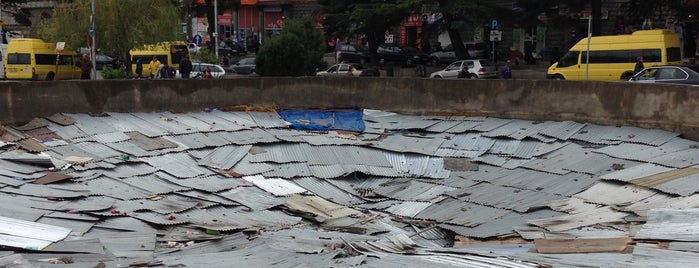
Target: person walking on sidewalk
<point>506,72</point>
<point>639,65</point>
<point>85,67</point>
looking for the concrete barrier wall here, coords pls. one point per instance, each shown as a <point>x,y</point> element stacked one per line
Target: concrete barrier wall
<point>668,107</point>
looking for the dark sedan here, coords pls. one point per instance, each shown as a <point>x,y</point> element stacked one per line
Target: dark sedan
<point>667,74</point>
<point>244,66</point>
<point>350,54</point>
<point>390,54</point>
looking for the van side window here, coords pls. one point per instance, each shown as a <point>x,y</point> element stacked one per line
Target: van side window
<point>18,58</point>
<point>45,59</point>
<point>569,59</point>
<point>673,54</point>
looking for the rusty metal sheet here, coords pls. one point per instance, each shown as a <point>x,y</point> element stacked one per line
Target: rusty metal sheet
<point>51,177</point>
<point>61,119</point>
<point>34,124</point>
<point>150,144</point>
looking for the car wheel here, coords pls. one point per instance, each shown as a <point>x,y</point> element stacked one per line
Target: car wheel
<point>438,76</point>
<point>252,71</point>
<point>558,77</point>
<point>50,77</point>
<point>472,76</point>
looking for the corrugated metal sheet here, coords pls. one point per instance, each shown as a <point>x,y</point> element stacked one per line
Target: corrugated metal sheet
<point>405,144</point>
<point>517,129</point>
<point>288,171</point>
<point>318,206</point>
<point>652,256</point>
<point>253,197</point>
<point>556,161</point>
<point>267,119</point>
<point>180,165</point>
<point>217,123</point>
<point>225,157</point>
<point>519,200</point>
<point>328,191</point>
<point>192,122</point>
<point>671,224</point>
<point>129,169</point>
<point>408,208</point>
<point>623,194</point>
<point>564,185</point>
<point>654,137</point>
<point>331,139</point>
<point>586,218</point>
<point>211,183</point>
<point>418,165</point>
<point>166,123</point>
<point>563,130</point>
<point>458,212</point>
<point>91,125</point>
<point>276,186</point>
<point>407,189</point>
<point>501,226</point>
<point>249,136</point>
<point>29,235</point>
<point>126,122</point>
<point>334,171</point>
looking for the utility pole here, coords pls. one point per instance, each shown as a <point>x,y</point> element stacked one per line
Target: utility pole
<point>215,29</point>
<point>93,73</point>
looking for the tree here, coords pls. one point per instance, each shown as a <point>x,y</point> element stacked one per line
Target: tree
<point>119,24</point>
<point>639,10</point>
<point>297,51</point>
<point>370,18</point>
<point>457,14</point>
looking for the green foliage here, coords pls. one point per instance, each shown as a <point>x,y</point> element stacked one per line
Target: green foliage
<point>119,24</point>
<point>297,51</point>
<point>204,55</point>
<point>109,73</point>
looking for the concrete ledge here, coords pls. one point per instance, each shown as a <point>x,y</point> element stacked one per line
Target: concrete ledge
<point>668,107</point>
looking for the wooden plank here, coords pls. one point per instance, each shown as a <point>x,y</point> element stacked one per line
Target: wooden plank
<point>582,245</point>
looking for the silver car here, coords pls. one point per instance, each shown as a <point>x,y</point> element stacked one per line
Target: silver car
<point>479,68</point>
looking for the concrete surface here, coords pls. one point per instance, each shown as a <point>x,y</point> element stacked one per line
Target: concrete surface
<point>668,107</point>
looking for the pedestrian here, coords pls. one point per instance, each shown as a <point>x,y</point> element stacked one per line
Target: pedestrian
<point>207,74</point>
<point>506,72</point>
<point>154,65</point>
<point>139,68</point>
<point>166,71</point>
<point>85,67</point>
<point>185,67</point>
<point>338,50</point>
<point>639,64</point>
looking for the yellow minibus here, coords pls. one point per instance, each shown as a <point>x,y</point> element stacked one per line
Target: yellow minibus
<point>613,57</point>
<point>34,59</point>
<point>170,52</point>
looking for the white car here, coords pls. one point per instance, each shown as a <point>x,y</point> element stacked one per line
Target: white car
<point>198,69</point>
<point>342,69</point>
<point>472,69</point>
<point>193,47</point>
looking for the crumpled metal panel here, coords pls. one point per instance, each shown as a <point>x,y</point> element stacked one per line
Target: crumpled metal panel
<point>318,206</point>
<point>671,224</point>
<point>253,197</point>
<point>326,190</point>
<point>276,186</point>
<point>225,157</point>
<point>180,165</point>
<point>211,183</point>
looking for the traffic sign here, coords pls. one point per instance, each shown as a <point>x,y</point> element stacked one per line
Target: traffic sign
<point>92,31</point>
<point>495,35</point>
<point>494,24</point>
<point>197,40</point>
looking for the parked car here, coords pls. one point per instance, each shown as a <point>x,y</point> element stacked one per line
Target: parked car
<point>349,54</point>
<point>345,69</point>
<point>478,68</point>
<point>400,55</point>
<point>443,56</point>
<point>244,66</point>
<point>103,60</point>
<point>192,47</point>
<point>667,74</point>
<point>198,68</point>
<point>476,50</point>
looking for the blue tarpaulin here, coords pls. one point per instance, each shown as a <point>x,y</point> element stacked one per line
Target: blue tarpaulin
<point>324,119</point>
